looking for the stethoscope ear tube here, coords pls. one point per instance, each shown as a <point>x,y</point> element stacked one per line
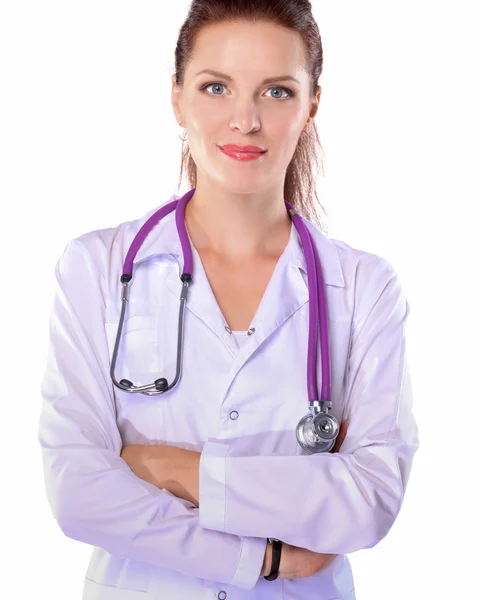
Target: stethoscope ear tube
<point>160,385</point>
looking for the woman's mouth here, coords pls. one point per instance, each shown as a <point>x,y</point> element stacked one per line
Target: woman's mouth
<point>242,152</point>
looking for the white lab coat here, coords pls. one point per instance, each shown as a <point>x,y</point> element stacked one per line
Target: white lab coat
<point>239,407</point>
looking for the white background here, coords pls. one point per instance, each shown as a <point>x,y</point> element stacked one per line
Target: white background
<point>88,139</point>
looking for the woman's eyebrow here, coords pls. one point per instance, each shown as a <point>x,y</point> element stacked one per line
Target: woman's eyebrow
<point>228,78</point>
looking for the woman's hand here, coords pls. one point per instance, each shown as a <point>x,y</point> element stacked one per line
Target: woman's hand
<point>166,467</point>
<point>148,464</point>
<point>300,562</point>
<point>341,436</point>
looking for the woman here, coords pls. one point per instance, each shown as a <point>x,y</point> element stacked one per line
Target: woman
<point>188,493</point>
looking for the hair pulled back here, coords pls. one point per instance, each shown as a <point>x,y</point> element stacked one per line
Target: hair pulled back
<point>301,174</point>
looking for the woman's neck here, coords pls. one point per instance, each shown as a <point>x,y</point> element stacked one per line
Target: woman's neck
<point>237,230</point>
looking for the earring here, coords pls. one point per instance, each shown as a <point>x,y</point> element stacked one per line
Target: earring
<point>184,139</point>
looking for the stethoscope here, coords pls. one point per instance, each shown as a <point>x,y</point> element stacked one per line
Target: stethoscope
<point>316,432</point>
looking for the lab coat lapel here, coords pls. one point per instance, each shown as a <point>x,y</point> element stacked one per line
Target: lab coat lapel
<point>285,293</point>
<point>287,290</point>
<point>201,301</point>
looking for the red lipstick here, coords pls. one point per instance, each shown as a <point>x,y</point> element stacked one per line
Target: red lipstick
<point>242,152</point>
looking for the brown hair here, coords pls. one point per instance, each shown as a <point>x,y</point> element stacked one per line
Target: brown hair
<point>300,178</point>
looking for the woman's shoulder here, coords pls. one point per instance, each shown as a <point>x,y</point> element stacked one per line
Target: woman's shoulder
<point>110,244</point>
<point>358,268</point>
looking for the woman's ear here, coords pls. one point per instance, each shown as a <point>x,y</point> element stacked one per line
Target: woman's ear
<point>315,105</point>
<point>176,101</point>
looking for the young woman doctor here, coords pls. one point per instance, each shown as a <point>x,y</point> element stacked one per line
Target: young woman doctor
<point>187,494</point>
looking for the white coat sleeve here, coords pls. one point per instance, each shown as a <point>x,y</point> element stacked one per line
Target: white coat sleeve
<point>331,503</point>
<point>93,494</point>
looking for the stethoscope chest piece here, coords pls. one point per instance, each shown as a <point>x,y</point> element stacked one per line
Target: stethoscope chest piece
<point>318,432</point>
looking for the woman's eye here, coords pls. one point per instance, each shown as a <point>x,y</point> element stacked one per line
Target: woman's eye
<point>277,87</point>
<point>217,85</point>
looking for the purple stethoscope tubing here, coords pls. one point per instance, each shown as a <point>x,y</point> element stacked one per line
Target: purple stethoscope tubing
<point>317,308</point>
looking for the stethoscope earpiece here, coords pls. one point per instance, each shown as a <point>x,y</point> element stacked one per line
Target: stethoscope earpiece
<point>161,384</point>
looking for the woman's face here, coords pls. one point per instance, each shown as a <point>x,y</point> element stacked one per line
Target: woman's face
<point>244,110</point>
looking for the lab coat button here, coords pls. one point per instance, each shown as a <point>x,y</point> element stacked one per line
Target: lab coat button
<point>234,415</point>
<point>222,595</point>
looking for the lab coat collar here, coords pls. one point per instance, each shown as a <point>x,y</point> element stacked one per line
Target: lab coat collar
<point>164,239</point>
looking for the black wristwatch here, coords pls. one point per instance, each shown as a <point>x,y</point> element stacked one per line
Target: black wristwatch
<point>276,554</point>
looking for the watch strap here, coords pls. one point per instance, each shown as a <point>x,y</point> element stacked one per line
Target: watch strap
<point>276,555</point>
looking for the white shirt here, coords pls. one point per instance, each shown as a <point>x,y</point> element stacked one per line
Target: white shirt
<point>238,402</point>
